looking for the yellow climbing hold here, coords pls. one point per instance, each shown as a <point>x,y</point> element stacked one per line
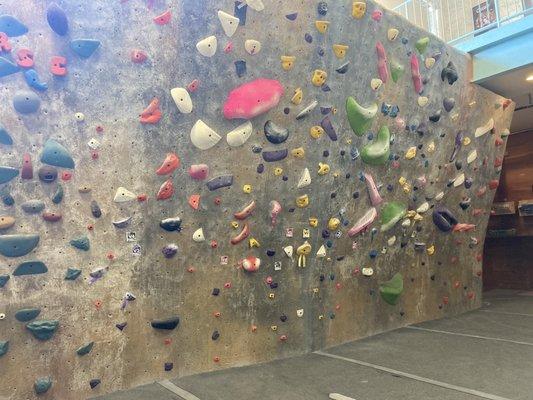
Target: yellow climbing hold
<point>316,131</point>
<point>376,83</point>
<point>302,201</point>
<point>406,188</point>
<point>336,174</point>
<point>287,62</point>
<point>253,243</point>
<point>340,50</point>
<point>316,290</point>
<point>247,188</point>
<point>431,250</point>
<point>358,9</point>
<point>392,34</point>
<point>319,77</point>
<point>299,152</point>
<point>273,327</point>
<point>323,169</point>
<point>320,317</point>
<point>278,171</point>
<point>431,147</point>
<point>466,141</point>
<point>322,26</point>
<point>422,101</point>
<point>411,153</point>
<point>297,97</point>
<point>429,62</point>
<point>410,214</point>
<point>313,222</point>
<point>402,181</point>
<point>234,224</point>
<point>418,217</point>
<point>333,223</point>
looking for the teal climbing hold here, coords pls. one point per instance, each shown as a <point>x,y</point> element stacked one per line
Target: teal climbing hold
<point>4,347</point>
<point>85,349</point>
<point>84,47</point>
<point>359,117</point>
<point>391,213</point>
<point>7,67</point>
<point>391,290</point>
<point>55,154</point>
<point>3,280</point>
<point>11,26</point>
<point>81,243</point>
<point>72,274</point>
<point>42,385</point>
<point>43,329</point>
<point>58,195</point>
<point>7,173</point>
<point>18,245</point>
<point>30,268</point>
<point>5,137</point>
<point>377,152</point>
<point>26,102</point>
<point>27,314</point>
<point>6,197</point>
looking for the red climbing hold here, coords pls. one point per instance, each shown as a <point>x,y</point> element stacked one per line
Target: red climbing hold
<point>241,236</point>
<point>193,86</point>
<point>383,69</point>
<point>493,184</point>
<point>94,155</point>
<point>194,201</point>
<point>99,128</point>
<point>4,42</point>
<point>214,244</point>
<point>169,165</point>
<point>250,263</point>
<point>152,113</point>
<point>90,227</point>
<point>228,48</point>
<point>283,338</point>
<point>254,328</point>
<point>216,314</point>
<point>456,284</point>
<point>166,190</point>
<point>167,341</point>
<point>471,295</point>
<point>142,197</point>
<point>163,19</point>
<point>217,201</point>
<point>445,300</point>
<point>27,169</point>
<point>498,141</point>
<point>216,359</point>
<point>191,269</point>
<point>110,256</point>
<point>58,66</point>
<point>498,162</point>
<point>415,74</point>
<point>481,191</point>
<point>138,56</point>
<point>51,217</point>
<point>66,176</point>
<point>25,58</point>
<point>227,285</point>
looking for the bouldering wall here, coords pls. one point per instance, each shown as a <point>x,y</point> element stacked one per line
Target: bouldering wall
<point>191,185</point>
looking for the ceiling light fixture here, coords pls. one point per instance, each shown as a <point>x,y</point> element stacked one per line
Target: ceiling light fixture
<point>530,78</point>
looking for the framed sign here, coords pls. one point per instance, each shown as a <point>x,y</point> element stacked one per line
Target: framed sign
<point>484,14</point>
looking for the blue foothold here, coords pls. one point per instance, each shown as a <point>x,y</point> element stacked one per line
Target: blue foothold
<point>18,245</point>
<point>11,26</point>
<point>84,47</point>
<point>7,173</point>
<point>32,79</point>
<point>55,154</point>
<point>57,19</point>
<point>240,12</point>
<point>26,102</point>
<point>30,268</point>
<point>240,68</point>
<point>291,17</point>
<point>5,137</point>
<point>7,67</point>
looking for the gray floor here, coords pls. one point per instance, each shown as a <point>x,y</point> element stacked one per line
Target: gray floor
<point>485,354</point>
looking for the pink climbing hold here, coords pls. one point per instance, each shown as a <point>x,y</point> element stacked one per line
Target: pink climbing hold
<point>415,73</point>
<point>193,86</point>
<point>27,169</point>
<point>275,209</point>
<point>4,42</point>
<point>199,171</point>
<point>463,227</point>
<point>253,98</point>
<point>163,19</point>
<point>228,48</point>
<point>66,176</point>
<point>152,113</point>
<point>377,15</point>
<point>58,66</point>
<point>25,58</point>
<point>375,197</point>
<point>138,56</point>
<point>383,69</point>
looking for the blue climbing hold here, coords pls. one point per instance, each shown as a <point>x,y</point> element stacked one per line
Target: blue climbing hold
<point>57,19</point>
<point>240,12</point>
<point>26,102</point>
<point>4,347</point>
<point>84,47</point>
<point>5,137</point>
<point>27,314</point>
<point>3,280</point>
<point>18,245</point>
<point>240,68</point>
<point>30,268</point>
<point>7,67</point>
<point>11,26</point>
<point>7,173</point>
<point>32,79</point>
<point>58,195</point>
<point>6,197</point>
<point>43,329</point>
<point>34,206</point>
<point>72,274</point>
<point>42,385</point>
<point>81,243</point>
<point>55,154</point>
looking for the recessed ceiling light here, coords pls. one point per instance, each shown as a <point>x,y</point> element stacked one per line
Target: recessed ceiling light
<point>530,78</point>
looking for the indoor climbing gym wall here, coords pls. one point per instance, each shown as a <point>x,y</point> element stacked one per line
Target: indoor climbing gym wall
<point>190,185</point>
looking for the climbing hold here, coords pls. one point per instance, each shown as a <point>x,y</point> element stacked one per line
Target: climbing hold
<point>240,68</point>
<point>422,101</point>
<point>58,195</point>
<point>5,137</point>
<point>58,66</point>
<point>316,131</point>
<point>170,250</point>
<point>4,347</point>
<point>6,222</point>
<point>319,77</point>
<point>84,48</point>
<point>250,263</point>
<point>245,232</point>
<point>252,47</point>
<point>358,9</point>
<point>375,84</point>
<point>448,103</point>
<point>287,62</point>
<point>171,224</point>
<point>382,62</point>
<point>291,16</point>
<point>3,280</point>
<point>411,153</point>
<point>151,114</point>
<point>275,155</point>
<point>170,163</point>
<point>208,46</point>
<point>47,174</point>
<point>95,209</point>
<point>240,135</point>
<point>415,74</point>
<point>302,201</point>
<point>43,329</point>
<point>391,213</point>
<point>444,219</point>
<point>138,56</point>
<point>26,102</point>
<point>488,127</point>
<point>298,152</point>
<point>422,44</point>
<point>42,385</point>
<point>123,195</point>
<point>252,99</point>
<point>392,34</point>
<point>297,97</point>
<point>11,26</point>
<point>30,268</point>
<point>166,190</point>
<point>275,210</point>
<point>307,110</point>
<point>364,222</point>
<point>340,50</point>
<point>342,69</point>
<point>323,168</point>
<point>198,235</point>
<point>449,73</point>
<point>397,70</point>
<point>18,245</point>
<point>302,251</point>
<point>182,99</point>
<point>322,26</point>
<point>202,136</point>
<point>121,223</point>
<point>81,242</point>
<point>163,19</point>
<point>7,173</point>
<point>32,79</point>
<point>220,182</point>
<point>57,19</point>
<point>94,382</point>
<point>166,324</point>
<point>52,216</point>
<point>55,154</point>
<point>377,152</point>
<point>229,23</point>
<point>472,156</point>
<point>274,133</point>
<point>72,274</point>
<point>429,62</point>
<point>391,290</point>
<point>25,58</point>
<point>198,172</point>
<point>375,197</point>
<point>360,118</point>
<point>85,349</point>
<point>327,125</point>
<point>27,314</point>
<point>305,179</point>
<point>246,211</point>
<point>423,208</point>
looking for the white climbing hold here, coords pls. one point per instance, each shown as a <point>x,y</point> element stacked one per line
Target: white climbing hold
<point>288,251</point>
<point>198,235</point>
<point>256,5</point>
<point>79,116</point>
<point>182,99</point>
<point>422,208</point>
<point>229,23</point>
<point>123,195</point>
<point>439,196</point>
<point>300,312</point>
<point>305,179</point>
<point>423,101</point>
<point>376,83</point>
<point>208,46</point>
<point>240,135</point>
<point>93,143</point>
<point>252,47</point>
<point>485,128</point>
<point>459,180</point>
<point>471,156</point>
<point>367,271</point>
<point>391,240</point>
<point>321,253</point>
<point>202,136</point>
<point>406,223</point>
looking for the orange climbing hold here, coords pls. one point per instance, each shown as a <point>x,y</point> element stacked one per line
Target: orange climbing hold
<point>194,201</point>
<point>166,190</point>
<point>163,19</point>
<point>152,113</point>
<point>171,162</point>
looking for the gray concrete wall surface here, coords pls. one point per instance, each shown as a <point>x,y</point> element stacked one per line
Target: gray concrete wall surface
<point>228,316</point>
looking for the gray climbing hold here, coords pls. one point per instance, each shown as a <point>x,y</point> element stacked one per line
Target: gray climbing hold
<point>43,329</point>
<point>3,280</point>
<point>47,174</point>
<point>85,349</point>
<point>55,154</point>
<point>30,268</point>
<point>166,324</point>
<point>5,137</point>
<point>18,245</point>
<point>275,155</point>
<point>72,274</point>
<point>58,195</point>
<point>27,314</point>
<point>26,102</point>
<point>33,206</point>
<point>81,243</point>
<point>307,110</point>
<point>448,103</point>
<point>42,385</point>
<point>11,26</point>
<point>220,182</point>
<point>96,211</point>
<point>274,133</point>
<point>4,347</point>
<point>7,173</point>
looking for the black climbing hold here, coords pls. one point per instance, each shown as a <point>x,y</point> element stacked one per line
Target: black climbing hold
<point>325,153</point>
<point>458,165</point>
<point>274,133</point>
<point>215,335</point>
<point>448,103</point>
<point>286,110</point>
<point>465,203</point>
<point>325,88</point>
<point>283,318</point>
<point>271,252</point>
<point>308,38</point>
<point>240,68</point>
<point>285,178</point>
<point>81,242</point>
<point>47,174</point>
<point>260,168</point>
<point>322,8</point>
<point>444,219</point>
<point>215,292</point>
<point>256,149</point>
<point>94,382</point>
<point>436,116</point>
<point>166,324</point>
<point>468,183</point>
<point>96,211</point>
<point>325,234</point>
<point>321,278</point>
<point>171,224</point>
<point>274,285</point>
<point>169,366</point>
<point>170,250</point>
<point>343,68</point>
<point>30,268</point>
<point>292,16</point>
<point>240,11</point>
<point>449,73</point>
<point>328,128</point>
<point>72,274</point>
<point>121,325</point>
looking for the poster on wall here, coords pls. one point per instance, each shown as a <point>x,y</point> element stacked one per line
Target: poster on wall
<point>483,15</point>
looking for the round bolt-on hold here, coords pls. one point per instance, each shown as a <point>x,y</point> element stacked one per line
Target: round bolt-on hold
<point>2,316</point>
<point>79,116</point>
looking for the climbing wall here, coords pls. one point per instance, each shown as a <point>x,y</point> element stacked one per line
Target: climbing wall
<point>191,185</point>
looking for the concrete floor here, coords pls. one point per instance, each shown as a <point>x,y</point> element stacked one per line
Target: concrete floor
<point>485,354</point>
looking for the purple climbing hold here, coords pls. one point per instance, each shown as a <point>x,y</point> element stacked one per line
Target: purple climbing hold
<point>328,128</point>
<point>292,16</point>
<point>220,182</point>
<point>275,155</point>
<point>444,219</point>
<point>308,38</point>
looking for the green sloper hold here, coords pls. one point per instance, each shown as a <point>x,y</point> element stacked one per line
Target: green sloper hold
<point>391,213</point>
<point>30,268</point>
<point>27,314</point>
<point>377,152</point>
<point>85,349</point>
<point>391,290</point>
<point>4,347</point>
<point>43,329</point>
<point>55,154</point>
<point>42,385</point>
<point>396,70</point>
<point>5,137</point>
<point>360,118</point>
<point>72,274</point>
<point>18,245</point>
<point>81,243</point>
<point>7,173</point>
<point>422,44</point>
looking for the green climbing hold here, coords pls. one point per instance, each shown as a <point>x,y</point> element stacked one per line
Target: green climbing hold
<point>42,385</point>
<point>422,44</point>
<point>4,347</point>
<point>30,268</point>
<point>58,195</point>
<point>85,349</point>
<point>72,274</point>
<point>391,213</point>
<point>81,243</point>
<point>396,70</point>
<point>7,173</point>
<point>360,118</point>
<point>55,154</point>
<point>391,290</point>
<point>43,329</point>
<point>377,152</point>
<point>27,314</point>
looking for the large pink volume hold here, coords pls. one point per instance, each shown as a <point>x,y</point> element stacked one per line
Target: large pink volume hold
<point>415,73</point>
<point>383,70</point>
<point>252,99</point>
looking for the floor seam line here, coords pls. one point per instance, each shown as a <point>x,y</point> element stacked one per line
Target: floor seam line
<point>184,394</point>
<point>415,377</point>
<point>470,336</point>
<point>506,313</point>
